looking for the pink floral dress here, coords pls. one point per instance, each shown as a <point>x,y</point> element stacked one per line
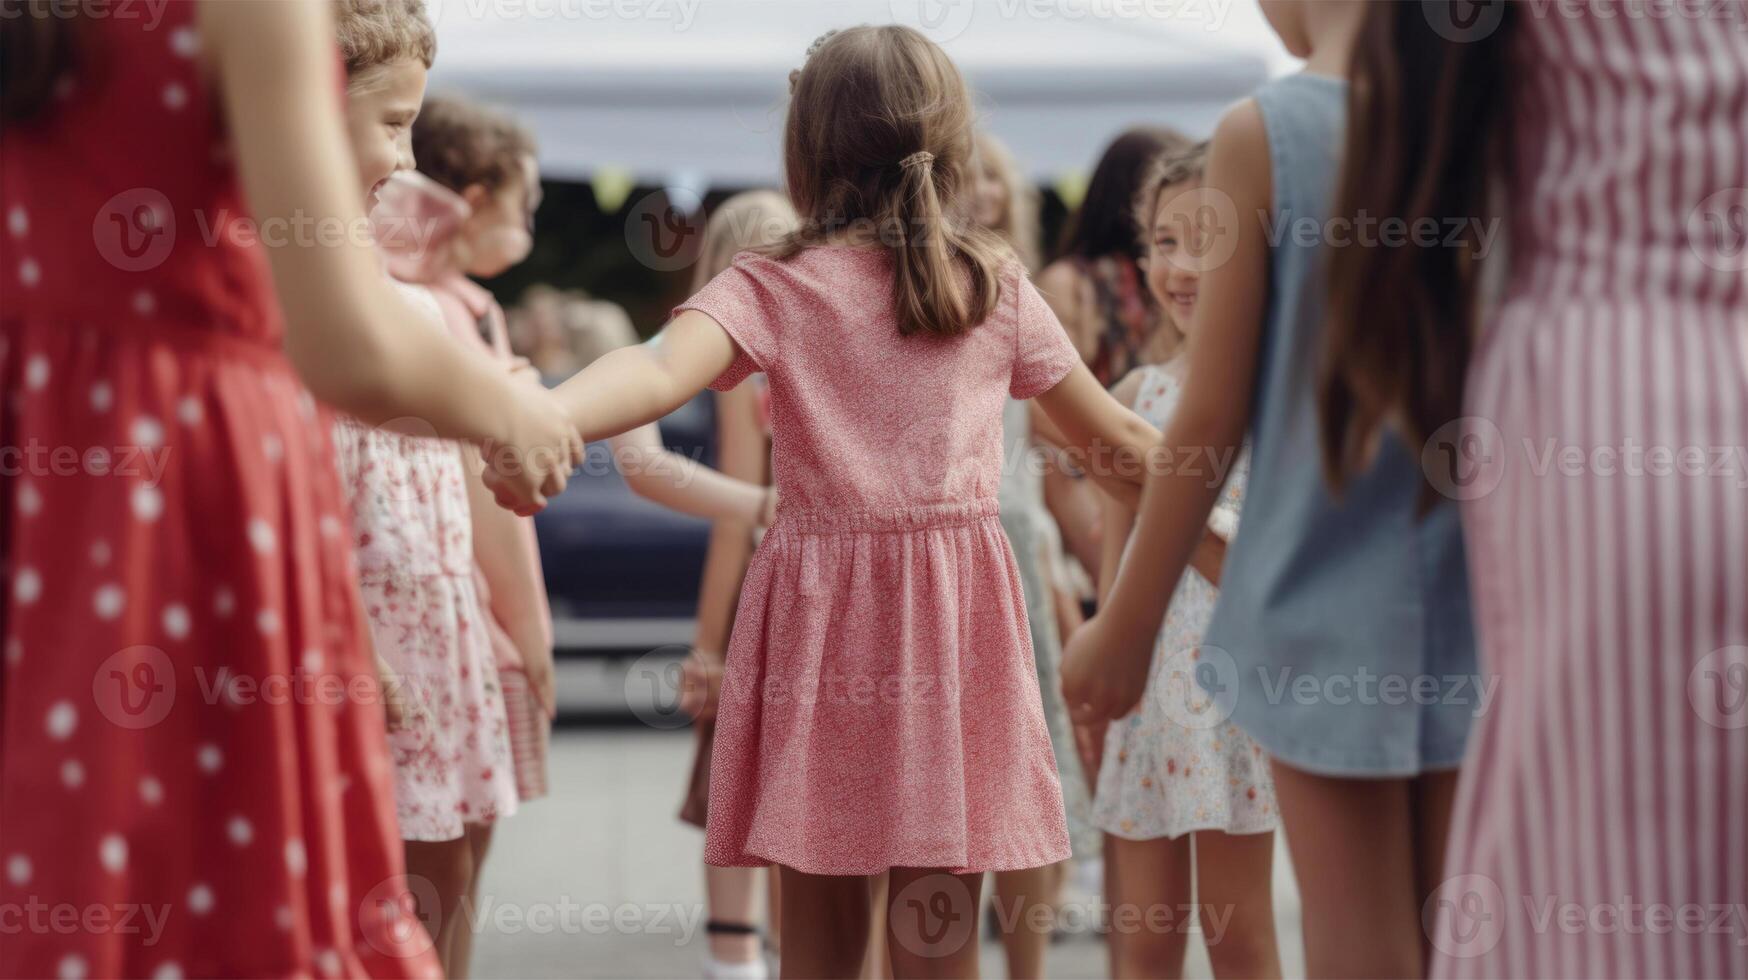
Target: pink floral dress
<point>414,538</point>
<point>880,704</point>
<point>1176,764</point>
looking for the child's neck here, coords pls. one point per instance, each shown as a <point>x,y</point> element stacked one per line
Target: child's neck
<point>1332,27</point>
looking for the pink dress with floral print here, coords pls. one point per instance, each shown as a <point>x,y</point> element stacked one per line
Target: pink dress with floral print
<point>414,536</point>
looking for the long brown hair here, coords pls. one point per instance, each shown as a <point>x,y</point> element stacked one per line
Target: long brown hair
<point>879,140</point>
<point>1426,132</point>
<point>38,46</point>
<point>1104,224</point>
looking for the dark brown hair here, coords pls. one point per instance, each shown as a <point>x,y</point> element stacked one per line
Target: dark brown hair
<point>879,139</point>
<point>1426,131</point>
<point>459,143</point>
<point>38,45</point>
<point>1104,224</point>
<point>374,33</point>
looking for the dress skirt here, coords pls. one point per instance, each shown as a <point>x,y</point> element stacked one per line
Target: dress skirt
<point>880,706</point>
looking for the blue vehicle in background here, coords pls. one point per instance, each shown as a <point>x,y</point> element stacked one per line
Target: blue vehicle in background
<point>622,573</point>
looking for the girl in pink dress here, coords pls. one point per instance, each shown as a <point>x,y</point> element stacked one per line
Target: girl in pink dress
<point>191,744</point>
<point>880,709</point>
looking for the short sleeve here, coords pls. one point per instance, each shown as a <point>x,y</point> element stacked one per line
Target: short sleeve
<point>1043,354</point>
<point>743,305</point>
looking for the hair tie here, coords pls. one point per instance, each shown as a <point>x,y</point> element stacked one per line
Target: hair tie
<point>920,158</point>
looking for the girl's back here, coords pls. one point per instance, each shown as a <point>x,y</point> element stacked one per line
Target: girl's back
<point>868,425</point>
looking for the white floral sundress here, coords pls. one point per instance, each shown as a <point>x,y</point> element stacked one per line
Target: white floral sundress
<point>414,537</point>
<point>1173,766</point>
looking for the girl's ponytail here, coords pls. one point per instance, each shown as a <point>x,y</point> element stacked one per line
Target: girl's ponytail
<point>928,290</point>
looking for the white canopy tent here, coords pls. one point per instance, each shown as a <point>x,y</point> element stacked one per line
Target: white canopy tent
<point>691,93</point>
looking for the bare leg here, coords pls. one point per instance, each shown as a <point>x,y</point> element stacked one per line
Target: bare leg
<point>878,964</point>
<point>774,908</point>
<point>1025,905</point>
<point>1352,842</point>
<point>732,894</point>
<point>932,923</point>
<point>825,925</point>
<point>1147,883</point>
<point>1433,794</point>
<point>479,840</point>
<point>448,866</point>
<point>1234,875</point>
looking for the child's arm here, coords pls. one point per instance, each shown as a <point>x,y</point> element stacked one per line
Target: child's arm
<point>742,451</point>
<point>1117,518</point>
<point>1104,670</point>
<point>345,327</point>
<point>501,547</point>
<point>659,474</point>
<point>1113,441</point>
<point>631,386</point>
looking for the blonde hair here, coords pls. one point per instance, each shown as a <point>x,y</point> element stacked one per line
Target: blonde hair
<point>748,220</point>
<point>878,140</point>
<point>1019,226</point>
<point>375,33</point>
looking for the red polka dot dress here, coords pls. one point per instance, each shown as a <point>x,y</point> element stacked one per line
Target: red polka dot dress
<point>193,773</point>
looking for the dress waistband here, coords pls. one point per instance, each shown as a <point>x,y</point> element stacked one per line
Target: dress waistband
<point>826,520</point>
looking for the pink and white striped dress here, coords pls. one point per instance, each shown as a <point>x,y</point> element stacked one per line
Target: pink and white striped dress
<point>1601,827</point>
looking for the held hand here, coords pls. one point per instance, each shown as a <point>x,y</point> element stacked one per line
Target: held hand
<point>535,464</point>
<point>1100,679</point>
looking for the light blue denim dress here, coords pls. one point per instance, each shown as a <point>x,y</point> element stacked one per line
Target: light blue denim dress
<point>1342,641</point>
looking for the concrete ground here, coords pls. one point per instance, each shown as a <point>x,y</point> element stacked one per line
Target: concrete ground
<point>601,880</point>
